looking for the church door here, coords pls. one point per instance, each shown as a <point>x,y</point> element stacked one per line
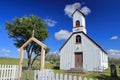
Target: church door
<point>78,59</point>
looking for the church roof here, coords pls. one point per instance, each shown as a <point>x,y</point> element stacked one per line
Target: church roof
<point>79,12</point>
<point>87,37</point>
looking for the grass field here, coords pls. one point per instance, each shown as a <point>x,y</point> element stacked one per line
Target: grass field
<point>29,73</point>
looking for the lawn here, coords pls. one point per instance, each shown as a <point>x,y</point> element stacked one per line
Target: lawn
<point>29,74</point>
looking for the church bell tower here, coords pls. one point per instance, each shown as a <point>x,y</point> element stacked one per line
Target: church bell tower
<point>78,21</point>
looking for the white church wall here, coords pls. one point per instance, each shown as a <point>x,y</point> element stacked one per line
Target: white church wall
<point>67,55</point>
<point>80,29</point>
<point>88,54</point>
<point>104,60</point>
<point>91,54</point>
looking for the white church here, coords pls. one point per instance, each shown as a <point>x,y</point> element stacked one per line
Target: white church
<point>80,51</point>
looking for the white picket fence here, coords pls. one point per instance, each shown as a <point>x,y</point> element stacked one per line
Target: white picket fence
<point>49,75</point>
<point>9,72</point>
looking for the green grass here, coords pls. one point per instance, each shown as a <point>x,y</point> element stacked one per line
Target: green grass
<point>9,61</point>
<point>30,74</point>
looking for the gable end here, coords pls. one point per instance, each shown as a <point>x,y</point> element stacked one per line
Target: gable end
<point>69,39</point>
<point>78,11</point>
<point>87,37</point>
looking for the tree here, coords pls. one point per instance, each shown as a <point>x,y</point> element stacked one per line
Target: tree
<point>114,61</point>
<point>53,57</point>
<point>20,29</point>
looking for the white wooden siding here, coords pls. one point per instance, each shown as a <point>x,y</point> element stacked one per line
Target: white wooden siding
<point>78,16</point>
<point>67,56</point>
<point>92,54</point>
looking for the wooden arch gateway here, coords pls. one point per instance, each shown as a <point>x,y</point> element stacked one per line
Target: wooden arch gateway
<point>43,47</point>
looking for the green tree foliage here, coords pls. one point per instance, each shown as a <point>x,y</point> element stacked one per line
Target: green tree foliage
<point>20,29</point>
<point>53,57</point>
<point>114,61</point>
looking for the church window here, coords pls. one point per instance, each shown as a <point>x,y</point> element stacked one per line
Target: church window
<point>78,39</point>
<point>77,23</point>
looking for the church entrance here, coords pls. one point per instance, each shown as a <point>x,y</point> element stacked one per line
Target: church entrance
<point>78,59</point>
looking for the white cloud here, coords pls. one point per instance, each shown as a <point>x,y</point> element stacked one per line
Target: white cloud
<point>54,52</point>
<point>18,50</point>
<point>113,50</point>
<point>62,35</point>
<point>114,37</point>
<point>50,22</point>
<point>112,53</point>
<point>70,8</point>
<point>7,55</point>
<point>5,50</point>
<point>85,10</point>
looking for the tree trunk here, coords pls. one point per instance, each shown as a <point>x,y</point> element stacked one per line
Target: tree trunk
<point>35,58</point>
<point>29,52</point>
<point>29,64</point>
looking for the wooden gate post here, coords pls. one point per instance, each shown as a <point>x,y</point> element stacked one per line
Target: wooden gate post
<point>20,63</point>
<point>42,58</point>
<point>22,53</point>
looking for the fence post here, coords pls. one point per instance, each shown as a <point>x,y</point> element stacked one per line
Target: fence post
<point>90,79</point>
<point>70,77</point>
<point>61,76</point>
<point>85,78</point>
<point>57,77</point>
<point>50,75</point>
<point>80,78</point>
<point>65,77</point>
<point>8,72</point>
<point>34,74</point>
<point>75,78</point>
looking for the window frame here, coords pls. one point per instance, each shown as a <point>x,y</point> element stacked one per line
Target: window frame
<point>78,39</point>
<point>77,23</point>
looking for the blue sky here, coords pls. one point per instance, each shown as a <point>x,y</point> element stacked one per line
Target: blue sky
<point>102,22</point>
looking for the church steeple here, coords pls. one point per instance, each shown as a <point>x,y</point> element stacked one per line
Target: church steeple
<point>78,21</point>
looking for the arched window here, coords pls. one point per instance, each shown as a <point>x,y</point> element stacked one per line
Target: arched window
<point>78,39</point>
<point>77,23</point>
